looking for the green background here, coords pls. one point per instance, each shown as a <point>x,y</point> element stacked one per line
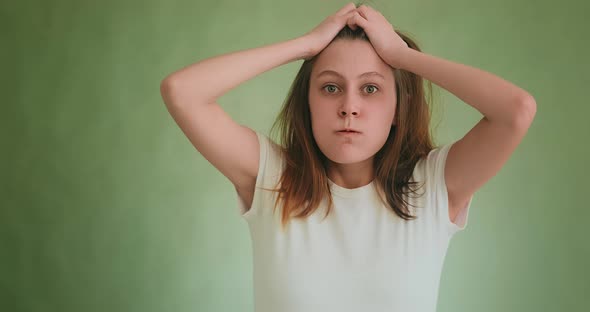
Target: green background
<point>106,206</point>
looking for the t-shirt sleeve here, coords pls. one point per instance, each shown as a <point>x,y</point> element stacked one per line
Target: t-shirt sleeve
<point>269,171</point>
<point>435,169</point>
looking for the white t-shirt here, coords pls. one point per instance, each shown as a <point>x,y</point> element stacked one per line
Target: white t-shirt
<point>362,257</point>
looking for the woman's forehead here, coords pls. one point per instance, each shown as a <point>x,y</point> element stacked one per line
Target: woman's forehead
<point>351,59</point>
<point>369,74</point>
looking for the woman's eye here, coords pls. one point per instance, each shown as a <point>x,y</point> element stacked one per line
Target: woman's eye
<point>327,86</point>
<point>372,86</point>
<point>330,88</point>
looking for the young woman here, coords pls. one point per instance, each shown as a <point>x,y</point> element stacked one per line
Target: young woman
<point>355,208</point>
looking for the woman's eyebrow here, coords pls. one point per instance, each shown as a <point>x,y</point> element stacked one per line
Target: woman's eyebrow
<point>333,73</point>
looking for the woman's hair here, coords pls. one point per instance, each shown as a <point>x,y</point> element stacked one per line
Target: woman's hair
<point>304,182</point>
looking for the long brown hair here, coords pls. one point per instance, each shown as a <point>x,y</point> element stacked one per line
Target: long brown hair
<point>304,182</point>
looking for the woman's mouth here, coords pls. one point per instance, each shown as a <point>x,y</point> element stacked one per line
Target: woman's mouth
<point>348,132</point>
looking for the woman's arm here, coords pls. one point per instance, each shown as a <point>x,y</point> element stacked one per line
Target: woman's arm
<point>190,96</point>
<point>508,113</point>
<point>497,99</point>
<point>206,80</point>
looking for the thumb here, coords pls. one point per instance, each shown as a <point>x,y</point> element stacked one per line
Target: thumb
<point>349,17</point>
<point>355,20</point>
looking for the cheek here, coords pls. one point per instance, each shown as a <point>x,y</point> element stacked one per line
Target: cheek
<point>388,108</point>
<point>319,110</point>
<point>381,117</point>
<point>320,118</point>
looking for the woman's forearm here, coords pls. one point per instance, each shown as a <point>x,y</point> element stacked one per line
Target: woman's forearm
<point>494,97</point>
<point>207,80</point>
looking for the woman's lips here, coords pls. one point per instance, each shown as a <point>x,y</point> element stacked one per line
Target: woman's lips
<point>348,132</point>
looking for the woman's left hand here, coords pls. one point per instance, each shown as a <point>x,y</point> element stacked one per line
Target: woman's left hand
<point>386,42</point>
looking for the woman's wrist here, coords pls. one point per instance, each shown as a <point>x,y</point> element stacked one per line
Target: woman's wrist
<point>305,47</point>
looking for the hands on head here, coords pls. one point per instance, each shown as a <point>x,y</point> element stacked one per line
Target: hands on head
<point>386,42</point>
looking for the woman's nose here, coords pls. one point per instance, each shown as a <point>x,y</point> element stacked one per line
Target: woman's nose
<point>347,112</point>
<point>349,107</point>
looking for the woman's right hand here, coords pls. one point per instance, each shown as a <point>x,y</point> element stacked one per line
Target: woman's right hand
<point>318,38</point>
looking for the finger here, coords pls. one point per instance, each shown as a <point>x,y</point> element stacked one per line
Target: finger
<point>348,15</point>
<point>343,19</point>
<point>364,11</point>
<point>346,9</point>
<point>351,24</point>
<point>357,19</point>
<point>350,20</point>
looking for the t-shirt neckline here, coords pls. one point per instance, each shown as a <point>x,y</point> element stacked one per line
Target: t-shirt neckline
<point>350,193</point>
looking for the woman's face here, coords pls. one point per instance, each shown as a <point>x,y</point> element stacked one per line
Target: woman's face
<point>353,99</point>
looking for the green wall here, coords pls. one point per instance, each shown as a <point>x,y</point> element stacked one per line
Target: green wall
<point>105,205</point>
